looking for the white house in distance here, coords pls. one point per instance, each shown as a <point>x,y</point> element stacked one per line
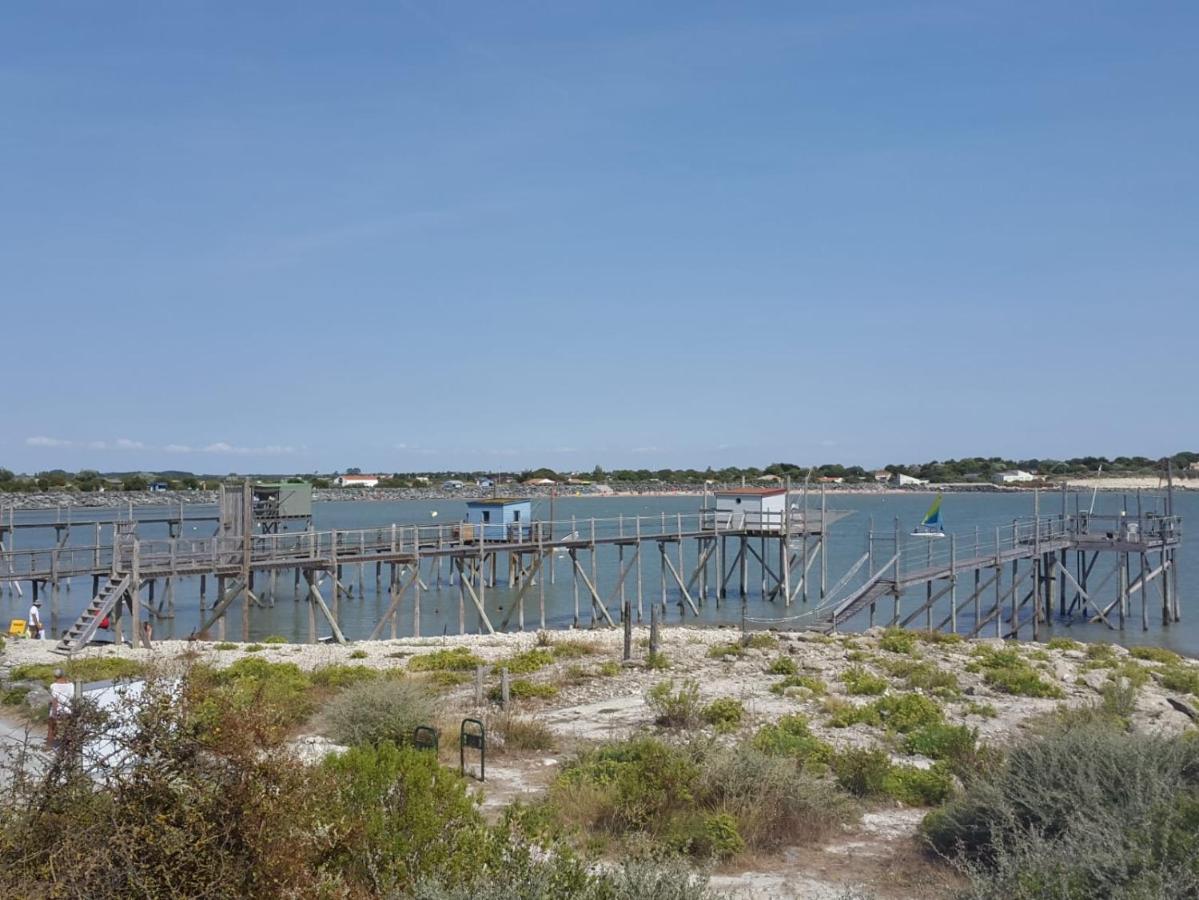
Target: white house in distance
<point>1015,476</point>
<point>751,507</point>
<point>901,480</point>
<point>356,480</point>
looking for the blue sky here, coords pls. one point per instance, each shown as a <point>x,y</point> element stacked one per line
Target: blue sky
<point>288,237</point>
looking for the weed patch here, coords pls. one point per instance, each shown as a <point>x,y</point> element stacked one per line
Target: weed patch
<point>724,714</point>
<point>455,659</point>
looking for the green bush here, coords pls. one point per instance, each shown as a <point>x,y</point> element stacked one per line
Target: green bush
<point>573,648</point>
<point>339,675</point>
<point>527,662</point>
<point>924,676</point>
<point>1100,651</point>
<point>358,654</point>
<point>609,668</point>
<point>783,665</point>
<point>898,640</point>
<point>862,773</point>
<point>724,714</point>
<point>1180,679</point>
<point>791,737</point>
<point>811,682</point>
<point>859,681</point>
<point>280,691</point>
<point>1022,681</point>
<point>1085,810</point>
<point>224,645</point>
<point>843,714</point>
<point>908,712</point>
<point>1061,643</point>
<point>378,711</point>
<point>658,662</point>
<point>942,741</point>
<point>1156,654</point>
<point>275,639</point>
<point>454,659</point>
<point>526,734</point>
<point>918,787</point>
<point>724,651</point>
<point>404,817</point>
<point>985,710</point>
<point>99,668</point>
<point>675,708</point>
<point>524,689</point>
<point>761,641</point>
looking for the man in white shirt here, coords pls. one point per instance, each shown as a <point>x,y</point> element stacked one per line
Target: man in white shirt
<point>35,620</point>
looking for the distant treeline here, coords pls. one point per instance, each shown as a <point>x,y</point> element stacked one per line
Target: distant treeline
<point>975,468</point>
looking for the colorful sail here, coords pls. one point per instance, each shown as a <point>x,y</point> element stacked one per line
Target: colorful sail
<point>932,518</point>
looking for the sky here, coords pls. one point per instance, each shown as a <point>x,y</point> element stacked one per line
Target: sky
<point>403,236</point>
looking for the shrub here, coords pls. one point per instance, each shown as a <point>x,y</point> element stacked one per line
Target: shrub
<point>275,639</point>
<point>98,668</point>
<point>1156,654</point>
<point>783,665</point>
<point>908,712</point>
<point>761,641</point>
<point>524,689</point>
<point>527,662</point>
<point>255,648</point>
<point>772,803</point>
<point>843,714</point>
<point>859,681</point>
<point>1100,651</point>
<point>791,737</point>
<point>1084,810</point>
<point>1061,643</point>
<point>573,648</point>
<point>704,835</point>
<point>724,714</point>
<point>724,651</point>
<point>898,640</point>
<point>939,637</point>
<point>378,711</point>
<point>918,787</point>
<point>404,816</point>
<point>985,710</point>
<point>675,709</point>
<point>280,691</point>
<point>454,659</point>
<point>862,772</point>
<point>526,734</point>
<point>942,741</point>
<point>224,645</point>
<point>811,682</point>
<point>358,654</point>
<point>1180,679</point>
<point>609,668</point>
<point>658,662</point>
<point>338,675</point>
<point>1022,681</point>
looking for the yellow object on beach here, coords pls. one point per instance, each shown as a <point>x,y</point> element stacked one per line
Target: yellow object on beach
<point>16,628</point>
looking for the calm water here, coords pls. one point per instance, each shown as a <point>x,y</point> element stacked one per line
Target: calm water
<point>966,515</point>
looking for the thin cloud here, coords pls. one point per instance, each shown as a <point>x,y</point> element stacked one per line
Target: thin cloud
<point>42,440</point>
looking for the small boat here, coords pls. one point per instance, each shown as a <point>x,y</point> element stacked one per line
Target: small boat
<point>930,526</point>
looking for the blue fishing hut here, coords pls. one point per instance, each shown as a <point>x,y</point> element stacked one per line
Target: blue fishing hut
<point>499,519</point>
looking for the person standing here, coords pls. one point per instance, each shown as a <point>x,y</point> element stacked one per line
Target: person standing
<point>35,627</point>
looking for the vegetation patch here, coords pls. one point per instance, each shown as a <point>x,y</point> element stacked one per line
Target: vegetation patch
<point>674,708</point>
<point>340,675</point>
<point>811,682</point>
<point>859,681</point>
<point>527,662</point>
<point>924,676</point>
<point>943,741</point>
<point>104,668</point>
<point>658,662</point>
<point>224,645</point>
<point>1061,643</point>
<point>1008,672</point>
<point>783,665</point>
<point>726,650</point>
<point>524,689</point>
<point>1156,654</point>
<point>760,640</point>
<point>524,734</point>
<point>608,668</point>
<point>871,774</point>
<point>724,714</point>
<point>984,710</point>
<point>378,710</point>
<point>908,712</point>
<point>898,640</point>
<point>792,737</point>
<point>275,639</point>
<point>573,648</point>
<point>1180,679</point>
<point>454,659</point>
<point>843,714</point>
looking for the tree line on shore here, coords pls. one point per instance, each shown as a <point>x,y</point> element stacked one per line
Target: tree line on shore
<point>967,469</point>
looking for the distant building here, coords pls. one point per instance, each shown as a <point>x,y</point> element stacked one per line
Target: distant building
<point>356,480</point>
<point>1194,467</point>
<point>484,483</point>
<point>773,479</point>
<point>831,479</point>
<point>498,519</point>
<point>453,484</point>
<point>751,507</point>
<point>540,482</point>
<point>901,480</point>
<point>882,475</point>
<point>158,487</point>
<point>1015,476</point>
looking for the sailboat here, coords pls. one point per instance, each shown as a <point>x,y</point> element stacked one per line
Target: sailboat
<point>930,526</point>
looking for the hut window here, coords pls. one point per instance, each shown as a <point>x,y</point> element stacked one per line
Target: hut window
<point>486,515</point>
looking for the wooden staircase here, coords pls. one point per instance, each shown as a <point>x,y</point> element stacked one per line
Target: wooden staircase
<point>858,600</point>
<point>84,629</point>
